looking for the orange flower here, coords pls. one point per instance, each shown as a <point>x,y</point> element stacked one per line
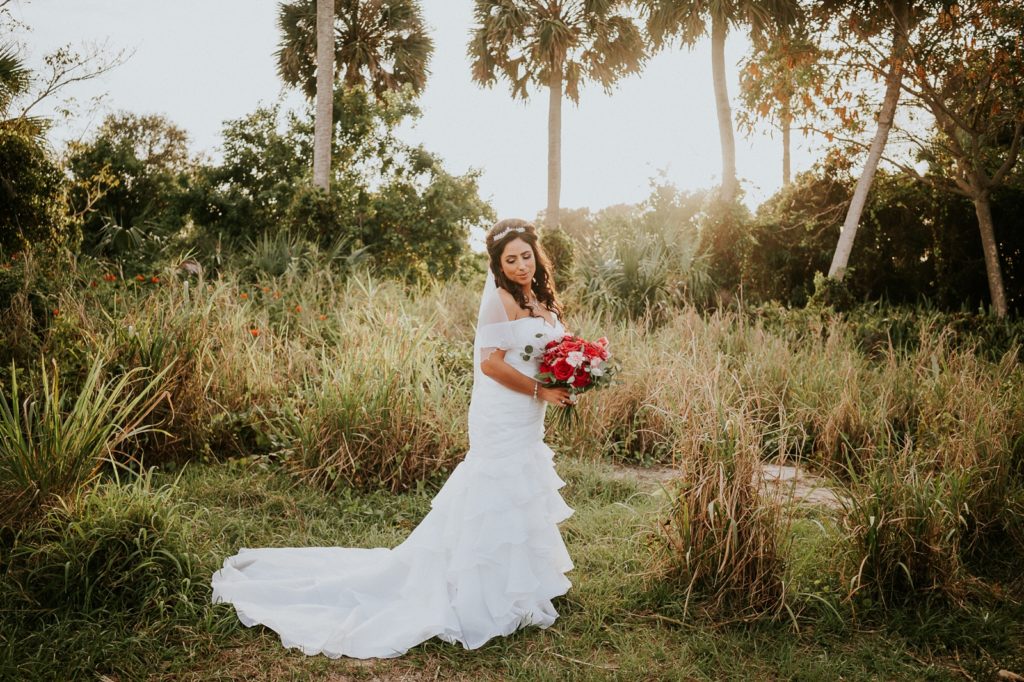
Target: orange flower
<point>109,277</point>
<point>244,296</point>
<point>92,284</point>
<point>266,289</point>
<point>255,332</point>
<point>323,317</point>
<point>298,308</point>
<point>277,294</point>
<point>140,278</point>
<point>56,312</point>
<point>154,279</point>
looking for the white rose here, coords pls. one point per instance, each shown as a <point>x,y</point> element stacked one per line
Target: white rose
<point>575,358</point>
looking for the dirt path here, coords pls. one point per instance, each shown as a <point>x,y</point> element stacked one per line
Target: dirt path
<point>779,480</point>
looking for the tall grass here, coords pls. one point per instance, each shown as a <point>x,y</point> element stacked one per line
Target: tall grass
<point>360,381</point>
<point>724,541</point>
<point>53,444</point>
<point>120,547</point>
<point>905,521</point>
<point>382,412</point>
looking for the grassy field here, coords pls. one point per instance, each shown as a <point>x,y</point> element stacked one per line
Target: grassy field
<point>620,621</point>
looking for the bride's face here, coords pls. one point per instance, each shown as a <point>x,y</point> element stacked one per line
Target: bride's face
<point>518,262</point>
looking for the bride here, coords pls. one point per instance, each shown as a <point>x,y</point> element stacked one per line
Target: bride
<point>488,557</point>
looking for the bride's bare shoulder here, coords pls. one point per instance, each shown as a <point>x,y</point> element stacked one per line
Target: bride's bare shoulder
<point>512,308</point>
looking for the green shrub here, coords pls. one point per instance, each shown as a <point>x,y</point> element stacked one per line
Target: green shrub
<point>31,195</point>
<point>831,293</point>
<point>559,247</point>
<point>53,444</point>
<point>722,538</point>
<point>904,521</point>
<point>120,549</point>
<point>381,412</point>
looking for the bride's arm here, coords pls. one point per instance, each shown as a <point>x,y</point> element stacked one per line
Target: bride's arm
<point>495,367</point>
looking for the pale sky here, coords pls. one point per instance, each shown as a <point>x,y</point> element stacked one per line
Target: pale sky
<point>201,62</point>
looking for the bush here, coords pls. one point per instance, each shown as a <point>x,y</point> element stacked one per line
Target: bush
<point>723,538</point>
<point>382,414</point>
<point>130,179</point>
<point>643,261</point>
<point>53,445</point>
<point>913,243</point>
<point>31,196</point>
<point>559,247</point>
<point>725,241</point>
<point>121,549</point>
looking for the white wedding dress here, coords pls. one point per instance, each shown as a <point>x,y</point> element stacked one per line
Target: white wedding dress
<point>486,560</point>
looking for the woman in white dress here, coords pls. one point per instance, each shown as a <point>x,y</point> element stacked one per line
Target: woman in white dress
<point>488,557</point>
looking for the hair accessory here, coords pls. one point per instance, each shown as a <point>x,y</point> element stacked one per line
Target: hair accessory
<point>508,229</point>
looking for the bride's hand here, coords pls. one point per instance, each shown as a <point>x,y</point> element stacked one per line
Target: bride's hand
<point>555,396</point>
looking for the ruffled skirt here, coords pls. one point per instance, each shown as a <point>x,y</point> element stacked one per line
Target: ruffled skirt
<point>486,560</point>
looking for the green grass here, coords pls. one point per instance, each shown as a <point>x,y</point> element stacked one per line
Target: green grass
<point>618,622</point>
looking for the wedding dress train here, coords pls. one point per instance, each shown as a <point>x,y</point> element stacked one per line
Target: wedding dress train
<point>486,559</point>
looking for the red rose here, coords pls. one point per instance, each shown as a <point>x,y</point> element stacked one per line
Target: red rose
<point>582,380</point>
<point>563,370</point>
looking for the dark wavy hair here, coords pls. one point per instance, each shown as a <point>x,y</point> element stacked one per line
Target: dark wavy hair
<point>543,284</point>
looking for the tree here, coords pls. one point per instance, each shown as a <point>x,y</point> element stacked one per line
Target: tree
<point>965,68</point>
<point>14,78</point>
<point>324,93</point>
<point>779,82</point>
<point>688,20</point>
<point>863,20</point>
<point>379,44</point>
<point>557,45</point>
<point>31,194</point>
<point>138,161</point>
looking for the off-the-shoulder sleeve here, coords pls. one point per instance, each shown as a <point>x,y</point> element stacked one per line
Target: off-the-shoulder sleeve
<point>495,335</point>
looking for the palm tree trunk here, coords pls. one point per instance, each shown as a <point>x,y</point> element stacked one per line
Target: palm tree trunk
<point>893,81</point>
<point>551,215</point>
<point>725,134</point>
<point>787,124</point>
<point>324,93</point>
<point>983,208</point>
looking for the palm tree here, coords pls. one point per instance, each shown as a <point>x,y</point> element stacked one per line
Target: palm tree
<point>688,21</point>
<point>558,44</point>
<point>379,44</point>
<point>324,94</point>
<point>778,82</point>
<point>14,80</point>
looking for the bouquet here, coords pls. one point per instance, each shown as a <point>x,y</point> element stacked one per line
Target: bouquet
<point>577,364</point>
